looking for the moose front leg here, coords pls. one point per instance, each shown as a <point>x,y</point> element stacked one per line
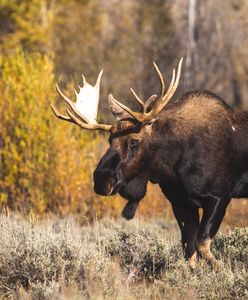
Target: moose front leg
<point>214,210</point>
<point>187,217</point>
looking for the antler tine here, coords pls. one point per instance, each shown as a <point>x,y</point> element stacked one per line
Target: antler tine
<point>137,98</point>
<point>149,101</point>
<point>161,79</point>
<point>73,119</point>
<point>144,105</point>
<point>71,104</point>
<point>162,102</point>
<point>172,88</point>
<point>59,116</point>
<point>99,78</point>
<point>78,122</point>
<point>175,85</point>
<point>138,116</point>
<point>74,116</point>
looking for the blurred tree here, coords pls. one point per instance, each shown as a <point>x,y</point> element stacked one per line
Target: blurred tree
<point>218,60</point>
<point>25,133</point>
<point>27,24</point>
<point>44,163</point>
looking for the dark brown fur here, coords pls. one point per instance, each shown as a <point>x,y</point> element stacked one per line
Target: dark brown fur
<point>197,151</point>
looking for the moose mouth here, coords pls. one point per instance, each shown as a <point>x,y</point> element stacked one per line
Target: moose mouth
<point>108,188</point>
<point>116,187</point>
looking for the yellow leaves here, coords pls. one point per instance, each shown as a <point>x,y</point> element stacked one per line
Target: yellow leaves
<point>3,199</point>
<point>31,24</point>
<point>46,164</point>
<point>24,123</point>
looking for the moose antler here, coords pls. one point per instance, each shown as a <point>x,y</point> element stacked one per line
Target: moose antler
<point>144,116</point>
<point>83,112</point>
<point>143,104</point>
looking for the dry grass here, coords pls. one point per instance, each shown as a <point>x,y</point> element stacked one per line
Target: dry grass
<point>60,259</point>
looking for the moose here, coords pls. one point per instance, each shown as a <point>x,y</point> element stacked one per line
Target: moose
<point>194,147</point>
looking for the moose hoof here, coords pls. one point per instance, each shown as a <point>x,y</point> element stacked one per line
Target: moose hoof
<point>204,250</point>
<point>192,261</point>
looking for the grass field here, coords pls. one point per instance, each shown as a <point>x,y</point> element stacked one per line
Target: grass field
<point>64,259</point>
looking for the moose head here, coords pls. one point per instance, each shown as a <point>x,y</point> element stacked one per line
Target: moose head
<point>124,168</point>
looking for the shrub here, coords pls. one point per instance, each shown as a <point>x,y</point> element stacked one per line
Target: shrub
<point>110,260</point>
<point>45,164</point>
<point>234,244</point>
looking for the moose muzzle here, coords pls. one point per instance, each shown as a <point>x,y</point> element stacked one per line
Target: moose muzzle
<point>107,179</point>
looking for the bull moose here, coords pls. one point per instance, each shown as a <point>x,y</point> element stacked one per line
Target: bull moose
<point>194,147</point>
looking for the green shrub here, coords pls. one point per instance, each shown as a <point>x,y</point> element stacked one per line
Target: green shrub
<point>234,245</point>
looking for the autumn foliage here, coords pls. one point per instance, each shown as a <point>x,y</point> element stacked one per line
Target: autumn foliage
<point>45,164</point>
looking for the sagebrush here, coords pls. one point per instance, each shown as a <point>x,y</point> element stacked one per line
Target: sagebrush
<point>55,258</point>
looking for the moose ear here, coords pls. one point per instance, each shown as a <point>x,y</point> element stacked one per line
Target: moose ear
<point>116,110</point>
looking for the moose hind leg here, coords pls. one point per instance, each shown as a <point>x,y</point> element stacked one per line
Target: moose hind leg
<point>214,209</point>
<point>187,217</point>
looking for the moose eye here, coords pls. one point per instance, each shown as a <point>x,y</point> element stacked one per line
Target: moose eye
<point>133,144</point>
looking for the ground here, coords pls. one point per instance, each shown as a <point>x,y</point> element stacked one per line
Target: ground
<point>57,258</point>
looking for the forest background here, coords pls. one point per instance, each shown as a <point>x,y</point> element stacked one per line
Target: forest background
<point>46,165</point>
